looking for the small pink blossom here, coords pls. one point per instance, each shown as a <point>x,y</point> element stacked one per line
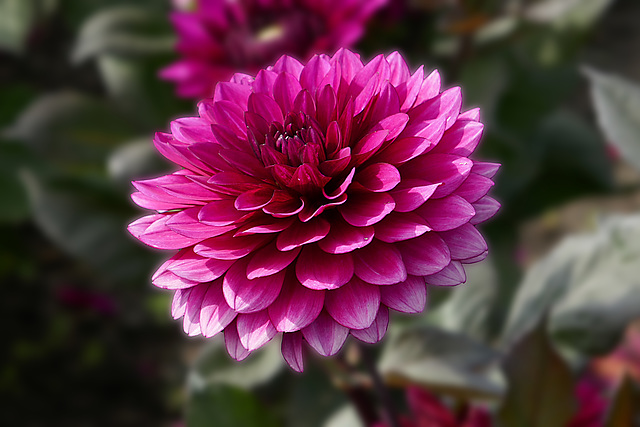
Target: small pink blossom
<point>312,199</point>
<point>217,38</point>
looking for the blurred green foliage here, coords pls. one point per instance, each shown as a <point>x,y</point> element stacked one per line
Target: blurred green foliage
<point>80,100</point>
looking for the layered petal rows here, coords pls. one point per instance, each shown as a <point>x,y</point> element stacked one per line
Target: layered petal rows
<point>311,199</point>
<point>220,37</point>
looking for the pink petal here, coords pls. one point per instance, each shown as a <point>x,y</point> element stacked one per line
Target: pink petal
<point>191,266</point>
<point>404,149</point>
<point>379,263</point>
<point>264,225</point>
<point>179,302</point>
<point>283,205</point>
<point>191,323</point>
<point>302,233</point>
<point>220,213</point>
<point>485,169</point>
<point>285,90</point>
<point>288,64</point>
<point>344,238</point>
<point>228,247</point>
<point>447,213</point>
<point>233,344</point>
<point>248,296</point>
<point>473,114</point>
<point>411,194</point>
<point>255,329</point>
<point>152,230</point>
<point>409,296</point>
<point>485,208</point>
<point>424,255</point>
<point>354,305</point>
<point>269,260</point>
<point>367,209</point>
<point>435,168</point>
<point>401,226</point>
<point>461,139</point>
<point>253,199</point>
<point>187,224</point>
<point>296,306</point>
<point>376,331</point>
<point>169,280</point>
<point>265,107</point>
<point>475,187</point>
<point>325,335</point>
<point>452,275</point>
<point>215,314</point>
<point>430,88</point>
<point>464,242</point>
<point>378,177</point>
<point>319,270</point>
<point>292,351</point>
<point>314,72</point>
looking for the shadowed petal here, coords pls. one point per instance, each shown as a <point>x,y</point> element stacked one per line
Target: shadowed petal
<point>319,270</point>
<point>378,177</point>
<point>424,255</point>
<point>379,263</point>
<point>400,226</point>
<point>296,306</point>
<point>447,213</point>
<point>464,242</point>
<point>248,296</point>
<point>215,314</point>
<point>367,209</point>
<point>354,305</point>
<point>255,329</point>
<point>325,335</point>
<point>485,208</point>
<point>302,233</point>
<point>411,194</point>
<point>233,344</point>
<point>409,296</point>
<point>453,274</point>
<point>344,238</point>
<point>269,260</point>
<point>376,331</point>
<point>292,350</point>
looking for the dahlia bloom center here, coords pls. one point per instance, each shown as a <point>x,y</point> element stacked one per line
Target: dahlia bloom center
<point>314,198</point>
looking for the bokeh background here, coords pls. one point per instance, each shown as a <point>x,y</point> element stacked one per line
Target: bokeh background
<point>87,340</point>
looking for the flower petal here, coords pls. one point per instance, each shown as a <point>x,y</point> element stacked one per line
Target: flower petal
<point>215,314</point>
<point>447,213</point>
<point>355,305</point>
<point>367,209</point>
<point>296,306</point>
<point>325,335</point>
<point>232,342</point>
<point>302,233</point>
<point>269,260</point>
<point>255,329</point>
<point>464,242</point>
<point>248,296</point>
<point>452,275</point>
<point>344,238</point>
<point>424,255</point>
<point>319,270</point>
<point>291,348</point>
<point>409,296</point>
<point>379,263</point>
<point>400,226</point>
<point>376,331</point>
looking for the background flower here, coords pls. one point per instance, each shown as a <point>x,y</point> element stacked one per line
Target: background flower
<point>314,198</point>
<point>222,37</point>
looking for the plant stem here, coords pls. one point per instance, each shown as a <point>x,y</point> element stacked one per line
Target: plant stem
<point>388,410</point>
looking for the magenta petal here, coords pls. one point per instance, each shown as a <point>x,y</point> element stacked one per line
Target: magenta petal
<point>179,302</point>
<point>215,314</point>
<point>296,306</point>
<point>473,114</point>
<point>191,323</point>
<point>228,247</point>
<point>435,168</point>
<point>344,238</point>
<point>376,331</point>
<point>247,296</point>
<point>233,344</point>
<point>220,212</point>
<point>367,209</point>
<point>411,194</point>
<point>424,255</point>
<point>378,177</point>
<point>354,305</point>
<point>475,187</point>
<point>264,225</point>
<point>325,335</point>
<point>379,263</point>
<point>285,89</point>
<point>191,266</point>
<point>452,275</point>
<point>302,233</point>
<point>319,270</point>
<point>265,107</point>
<point>485,169</point>
<point>409,296</point>
<point>255,329</point>
<point>187,224</point>
<point>461,139</point>
<point>464,242</point>
<point>447,213</point>
<point>485,208</point>
<point>152,230</point>
<point>292,351</point>
<point>253,199</point>
<point>401,226</point>
<point>269,260</point>
<point>169,280</point>
<point>405,149</point>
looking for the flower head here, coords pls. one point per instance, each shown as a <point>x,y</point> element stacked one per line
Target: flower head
<point>221,37</point>
<point>314,198</point>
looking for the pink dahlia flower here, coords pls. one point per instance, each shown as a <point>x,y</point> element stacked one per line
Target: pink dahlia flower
<point>314,198</point>
<point>221,37</point>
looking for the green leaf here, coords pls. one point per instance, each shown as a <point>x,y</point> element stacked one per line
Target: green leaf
<point>624,411</point>
<point>567,14</point>
<point>224,405</point>
<point>71,129</point>
<point>16,20</point>
<point>468,309</point>
<point>214,366</point>
<point>14,158</point>
<point>617,105</point>
<point>441,361</point>
<point>124,30</point>
<point>540,384</point>
<point>88,220</point>
<point>589,285</point>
